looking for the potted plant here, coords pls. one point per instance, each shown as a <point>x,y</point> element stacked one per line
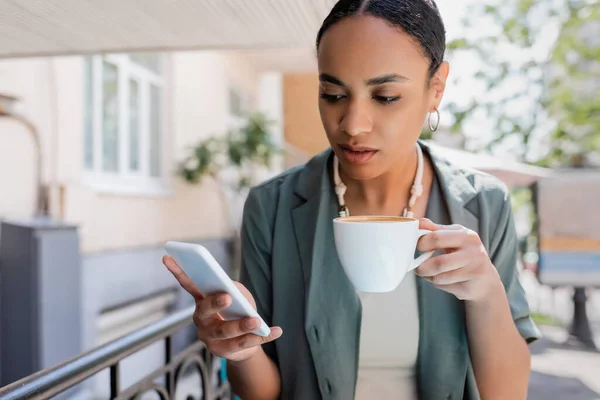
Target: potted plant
<point>235,160</point>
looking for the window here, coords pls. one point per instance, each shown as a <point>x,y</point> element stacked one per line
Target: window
<point>125,122</point>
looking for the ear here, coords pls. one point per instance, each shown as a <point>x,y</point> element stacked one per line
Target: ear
<point>437,86</point>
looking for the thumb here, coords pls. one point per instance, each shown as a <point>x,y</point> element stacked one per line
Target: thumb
<point>425,223</point>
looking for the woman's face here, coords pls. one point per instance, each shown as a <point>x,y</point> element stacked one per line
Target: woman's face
<point>375,93</point>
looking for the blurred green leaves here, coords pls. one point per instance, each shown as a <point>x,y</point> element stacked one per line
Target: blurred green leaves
<point>551,103</point>
<point>242,149</point>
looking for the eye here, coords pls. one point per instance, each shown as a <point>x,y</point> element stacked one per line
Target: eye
<point>386,99</point>
<point>331,98</point>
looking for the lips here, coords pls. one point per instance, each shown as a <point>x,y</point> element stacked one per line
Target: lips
<point>358,154</point>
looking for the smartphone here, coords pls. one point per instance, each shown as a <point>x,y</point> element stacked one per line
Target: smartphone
<point>210,278</point>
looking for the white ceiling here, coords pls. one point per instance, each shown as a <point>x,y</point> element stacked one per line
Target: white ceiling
<point>61,27</point>
<point>290,60</point>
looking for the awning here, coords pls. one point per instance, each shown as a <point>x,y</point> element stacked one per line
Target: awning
<point>512,173</point>
<point>62,27</point>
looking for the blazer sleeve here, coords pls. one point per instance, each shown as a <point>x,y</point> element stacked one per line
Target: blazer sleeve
<point>255,275</point>
<point>503,254</point>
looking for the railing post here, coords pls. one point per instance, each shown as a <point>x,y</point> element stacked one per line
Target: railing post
<point>169,376</point>
<point>115,384</point>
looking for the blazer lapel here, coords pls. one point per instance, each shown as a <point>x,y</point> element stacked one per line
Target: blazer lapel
<point>332,305</point>
<point>443,347</point>
<point>458,191</point>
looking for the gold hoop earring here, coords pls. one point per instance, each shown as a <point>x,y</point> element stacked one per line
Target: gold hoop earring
<point>437,124</point>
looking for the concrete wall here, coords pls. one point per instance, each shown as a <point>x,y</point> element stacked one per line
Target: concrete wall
<point>52,97</point>
<point>26,79</point>
<point>17,171</point>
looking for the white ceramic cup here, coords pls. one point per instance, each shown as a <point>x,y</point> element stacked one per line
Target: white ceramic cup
<point>377,252</point>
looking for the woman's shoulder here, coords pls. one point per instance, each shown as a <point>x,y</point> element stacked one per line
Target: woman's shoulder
<point>487,185</point>
<point>492,194</point>
<point>273,185</point>
<point>284,185</point>
<point>274,197</point>
<point>461,177</point>
<point>268,193</point>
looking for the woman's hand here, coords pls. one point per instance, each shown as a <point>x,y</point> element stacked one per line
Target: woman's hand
<point>231,340</point>
<point>465,270</point>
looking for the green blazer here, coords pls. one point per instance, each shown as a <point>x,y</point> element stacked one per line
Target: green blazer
<point>291,267</point>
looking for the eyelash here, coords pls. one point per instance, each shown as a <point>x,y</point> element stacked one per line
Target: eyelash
<point>332,99</point>
<point>386,99</point>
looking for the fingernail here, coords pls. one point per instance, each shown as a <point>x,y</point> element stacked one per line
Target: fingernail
<point>276,332</point>
<point>250,323</point>
<point>222,301</point>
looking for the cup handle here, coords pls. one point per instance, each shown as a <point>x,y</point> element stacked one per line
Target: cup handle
<point>423,257</point>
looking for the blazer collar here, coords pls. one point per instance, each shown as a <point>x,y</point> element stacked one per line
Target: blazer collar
<point>314,179</point>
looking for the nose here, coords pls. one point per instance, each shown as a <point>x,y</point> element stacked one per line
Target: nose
<point>357,119</point>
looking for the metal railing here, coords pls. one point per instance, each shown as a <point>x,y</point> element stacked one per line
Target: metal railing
<point>57,379</point>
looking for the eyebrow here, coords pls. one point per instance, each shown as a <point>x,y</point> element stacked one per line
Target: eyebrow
<point>380,80</point>
<point>331,79</point>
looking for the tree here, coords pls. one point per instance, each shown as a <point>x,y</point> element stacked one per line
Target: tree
<point>539,72</point>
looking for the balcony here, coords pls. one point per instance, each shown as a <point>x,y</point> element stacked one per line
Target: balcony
<point>174,380</point>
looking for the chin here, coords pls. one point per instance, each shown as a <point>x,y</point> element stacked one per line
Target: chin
<point>360,172</point>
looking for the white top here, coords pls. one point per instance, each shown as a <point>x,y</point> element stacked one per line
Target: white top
<point>389,343</point>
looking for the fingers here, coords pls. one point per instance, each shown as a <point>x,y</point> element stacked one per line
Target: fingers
<point>461,289</point>
<point>210,306</point>
<point>230,329</point>
<point>450,237</point>
<point>181,277</point>
<point>462,275</point>
<point>425,223</point>
<point>222,337</point>
<point>442,264</point>
<point>246,341</point>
